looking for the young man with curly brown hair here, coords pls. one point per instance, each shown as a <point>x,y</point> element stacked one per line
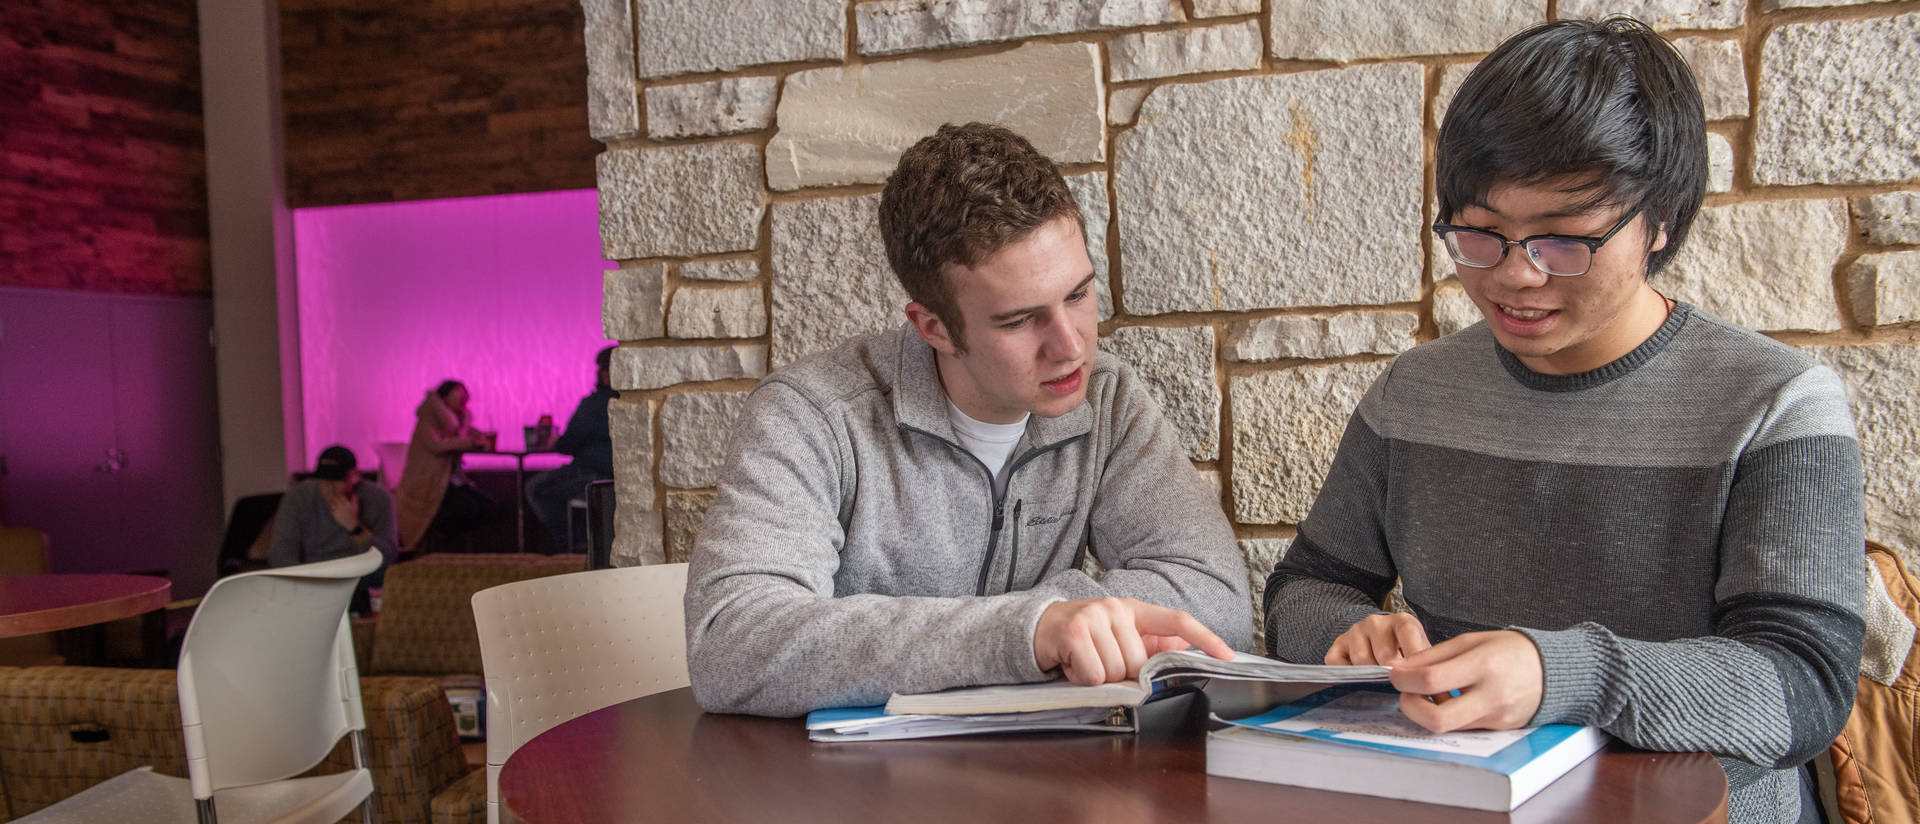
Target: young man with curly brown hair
<point>909,511</point>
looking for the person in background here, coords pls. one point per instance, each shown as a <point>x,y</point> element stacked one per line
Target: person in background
<point>434,494</point>
<point>336,513</point>
<point>586,438</point>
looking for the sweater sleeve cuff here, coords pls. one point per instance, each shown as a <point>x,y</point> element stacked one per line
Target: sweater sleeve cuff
<point>1021,663</point>
<point>1572,668</point>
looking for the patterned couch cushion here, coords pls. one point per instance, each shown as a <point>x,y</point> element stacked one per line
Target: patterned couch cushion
<point>63,729</point>
<point>426,615</point>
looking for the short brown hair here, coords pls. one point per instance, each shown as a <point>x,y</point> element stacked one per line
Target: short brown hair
<point>957,197</point>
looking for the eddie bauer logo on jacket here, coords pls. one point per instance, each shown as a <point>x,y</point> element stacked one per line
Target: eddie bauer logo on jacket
<point>1047,520</point>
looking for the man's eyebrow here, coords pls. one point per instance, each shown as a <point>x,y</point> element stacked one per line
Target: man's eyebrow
<point>1014,313</point>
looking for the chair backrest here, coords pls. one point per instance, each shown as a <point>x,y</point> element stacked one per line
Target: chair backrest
<point>426,613</point>
<point>600,503</point>
<point>558,647</point>
<point>23,551</point>
<point>267,679</point>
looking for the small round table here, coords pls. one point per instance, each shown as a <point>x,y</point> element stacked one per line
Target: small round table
<point>32,604</point>
<point>659,758</point>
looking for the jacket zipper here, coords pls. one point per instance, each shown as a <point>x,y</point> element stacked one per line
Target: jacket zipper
<point>999,498</point>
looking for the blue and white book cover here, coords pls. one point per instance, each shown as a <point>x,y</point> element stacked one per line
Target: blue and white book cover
<point>1368,716</point>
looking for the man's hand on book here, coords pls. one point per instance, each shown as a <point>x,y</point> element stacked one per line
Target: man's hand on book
<point>1498,674</point>
<point>1381,639</point>
<point>1100,640</point>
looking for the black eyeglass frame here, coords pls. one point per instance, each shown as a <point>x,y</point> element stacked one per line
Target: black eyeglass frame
<point>1593,244</point>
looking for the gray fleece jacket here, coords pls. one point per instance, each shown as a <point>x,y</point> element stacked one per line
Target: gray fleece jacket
<point>855,549</point>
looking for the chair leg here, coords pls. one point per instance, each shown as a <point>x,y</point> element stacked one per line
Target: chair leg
<point>369,811</point>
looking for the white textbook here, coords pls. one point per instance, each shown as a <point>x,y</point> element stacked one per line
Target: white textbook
<point>1355,740</point>
<point>1158,670</point>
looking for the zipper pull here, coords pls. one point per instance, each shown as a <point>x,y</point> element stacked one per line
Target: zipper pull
<point>999,511</point>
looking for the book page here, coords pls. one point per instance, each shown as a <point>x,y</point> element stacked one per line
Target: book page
<point>1374,717</point>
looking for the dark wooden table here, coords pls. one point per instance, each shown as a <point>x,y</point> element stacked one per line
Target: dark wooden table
<point>660,758</point>
<point>31,604</point>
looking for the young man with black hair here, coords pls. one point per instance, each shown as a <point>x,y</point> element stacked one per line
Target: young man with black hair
<point>908,512</point>
<point>1606,507</point>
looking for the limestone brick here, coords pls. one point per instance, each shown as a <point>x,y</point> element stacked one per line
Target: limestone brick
<point>694,428</point>
<point>686,508</point>
<point>849,125</point>
<point>1889,218</point>
<point>831,280</point>
<point>1090,192</point>
<point>1838,103</point>
<point>1664,15</point>
<point>1287,425</point>
<point>695,199</point>
<point>729,312</point>
<point>1452,309</point>
<point>736,269</point>
<point>1719,163</point>
<point>653,367</point>
<point>891,26</point>
<point>1766,265</point>
<point>729,106</point>
<point>1177,367</point>
<point>634,302</point>
<point>613,111</point>
<point>637,537</point>
<point>1332,336</point>
<point>1124,104</point>
<point>1149,54</point>
<point>680,36</point>
<point>1885,288</point>
<point>1720,71</point>
<point>1318,30</point>
<point>1270,192</point>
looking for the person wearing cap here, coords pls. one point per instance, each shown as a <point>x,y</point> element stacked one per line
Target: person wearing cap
<point>335,513</point>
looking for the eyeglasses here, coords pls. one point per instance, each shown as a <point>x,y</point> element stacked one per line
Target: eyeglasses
<point>1559,255</point>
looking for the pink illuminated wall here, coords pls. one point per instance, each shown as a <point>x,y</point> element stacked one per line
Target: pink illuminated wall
<point>501,292</point>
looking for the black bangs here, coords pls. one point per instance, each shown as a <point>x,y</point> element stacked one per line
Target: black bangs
<point>1606,109</point>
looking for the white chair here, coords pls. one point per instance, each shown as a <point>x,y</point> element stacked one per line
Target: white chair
<point>267,687</point>
<point>558,647</point>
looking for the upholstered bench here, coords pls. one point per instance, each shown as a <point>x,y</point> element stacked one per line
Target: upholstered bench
<point>63,729</point>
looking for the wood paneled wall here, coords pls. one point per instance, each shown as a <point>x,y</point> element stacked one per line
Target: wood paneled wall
<point>421,99</point>
<point>102,167</point>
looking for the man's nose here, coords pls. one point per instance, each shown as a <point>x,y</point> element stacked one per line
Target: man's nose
<point>1063,341</point>
<point>1517,270</point>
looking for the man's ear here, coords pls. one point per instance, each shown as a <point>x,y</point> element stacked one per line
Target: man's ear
<point>931,328</point>
<point>1659,238</point>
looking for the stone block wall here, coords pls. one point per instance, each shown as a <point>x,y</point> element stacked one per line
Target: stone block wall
<point>1257,178</point>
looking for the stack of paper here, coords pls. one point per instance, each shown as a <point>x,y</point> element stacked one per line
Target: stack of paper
<point>874,724</point>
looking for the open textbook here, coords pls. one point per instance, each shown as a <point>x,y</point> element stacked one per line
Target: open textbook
<point>1059,704</point>
<point>1355,739</point>
<point>1159,669</point>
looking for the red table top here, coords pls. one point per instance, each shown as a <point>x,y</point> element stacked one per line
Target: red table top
<point>31,604</point>
<point>659,758</point>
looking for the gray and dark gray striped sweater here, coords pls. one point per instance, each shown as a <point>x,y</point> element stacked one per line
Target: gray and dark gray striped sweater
<point>1678,531</point>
